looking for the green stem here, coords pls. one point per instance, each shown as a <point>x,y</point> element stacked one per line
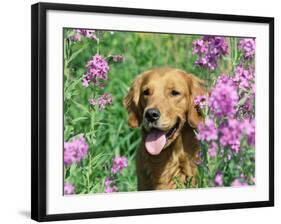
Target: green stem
<point>89,172</point>
<point>64,172</point>
<point>98,42</point>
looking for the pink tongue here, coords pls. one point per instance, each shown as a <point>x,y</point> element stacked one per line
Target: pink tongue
<point>155,141</point>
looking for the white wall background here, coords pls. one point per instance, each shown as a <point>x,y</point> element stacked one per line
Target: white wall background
<point>15,110</point>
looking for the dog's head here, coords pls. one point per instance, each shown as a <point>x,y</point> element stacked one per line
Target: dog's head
<point>163,101</point>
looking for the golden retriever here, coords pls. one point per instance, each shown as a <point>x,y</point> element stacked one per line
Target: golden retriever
<point>162,101</point>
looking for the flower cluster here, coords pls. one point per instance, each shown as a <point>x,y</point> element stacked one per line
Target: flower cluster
<point>117,58</point>
<point>78,33</point>
<point>218,178</point>
<point>250,126</point>
<point>119,163</point>
<point>75,150</point>
<point>238,183</point>
<point>207,131</point>
<point>200,101</point>
<point>228,134</point>
<point>69,188</point>
<point>224,98</point>
<point>109,185</point>
<point>248,47</point>
<point>229,126</point>
<point>212,149</point>
<point>209,49</point>
<point>97,69</point>
<point>102,101</point>
<point>231,133</point>
<point>244,77</point>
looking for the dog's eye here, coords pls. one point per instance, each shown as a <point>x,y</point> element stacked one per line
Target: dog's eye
<point>146,92</point>
<point>175,93</point>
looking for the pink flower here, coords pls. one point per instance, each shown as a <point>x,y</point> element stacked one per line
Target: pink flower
<point>109,185</point>
<point>110,189</point>
<point>200,101</point>
<point>224,97</point>
<point>75,37</point>
<point>199,47</point>
<point>209,49</point>
<point>243,77</point>
<point>207,131</point>
<point>93,102</point>
<point>117,58</point>
<point>212,149</point>
<point>248,47</point>
<point>68,188</point>
<point>87,33</point>
<point>118,164</point>
<point>75,150</point>
<point>97,69</point>
<point>231,133</point>
<point>249,129</point>
<point>102,101</point>
<point>238,183</point>
<point>218,179</point>
<point>248,105</point>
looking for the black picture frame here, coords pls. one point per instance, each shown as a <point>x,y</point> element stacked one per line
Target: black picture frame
<point>38,110</point>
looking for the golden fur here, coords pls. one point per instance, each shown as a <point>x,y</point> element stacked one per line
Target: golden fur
<point>172,92</point>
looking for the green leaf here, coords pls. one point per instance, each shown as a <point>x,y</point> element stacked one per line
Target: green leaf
<point>82,107</point>
<point>243,100</point>
<point>80,119</point>
<point>75,54</point>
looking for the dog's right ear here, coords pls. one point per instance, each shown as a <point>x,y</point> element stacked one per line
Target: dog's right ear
<point>132,103</point>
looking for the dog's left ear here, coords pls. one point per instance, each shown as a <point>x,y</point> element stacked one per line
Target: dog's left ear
<point>196,88</point>
<point>132,104</point>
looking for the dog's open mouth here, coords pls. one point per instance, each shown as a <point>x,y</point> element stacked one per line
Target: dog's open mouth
<point>156,139</point>
<point>172,131</point>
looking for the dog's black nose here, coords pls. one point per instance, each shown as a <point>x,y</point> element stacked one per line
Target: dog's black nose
<point>152,114</point>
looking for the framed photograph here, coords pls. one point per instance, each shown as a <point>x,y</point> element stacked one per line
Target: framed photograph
<point>139,111</point>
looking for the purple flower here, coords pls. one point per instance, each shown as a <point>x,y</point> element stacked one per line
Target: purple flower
<point>75,37</point>
<point>212,149</point>
<point>218,179</point>
<point>200,101</point>
<point>224,98</point>
<point>69,188</point>
<point>75,150</point>
<point>200,47</point>
<point>93,102</point>
<point>231,133</point>
<point>110,189</point>
<point>117,58</point>
<point>102,101</point>
<point>248,47</point>
<point>249,129</point>
<point>105,99</point>
<point>209,49</point>
<point>233,130</point>
<point>97,69</point>
<point>87,33</point>
<point>244,77</point>
<point>118,164</point>
<point>109,185</point>
<point>238,183</point>
<point>248,104</point>
<point>207,131</point>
